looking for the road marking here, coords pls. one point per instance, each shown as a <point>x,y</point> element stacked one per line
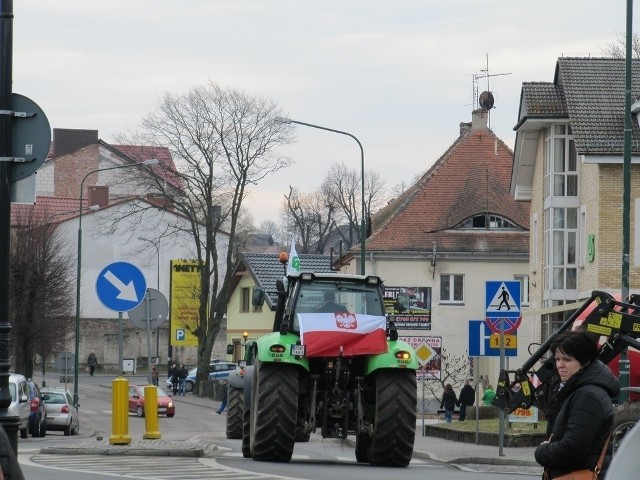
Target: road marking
<point>146,467</point>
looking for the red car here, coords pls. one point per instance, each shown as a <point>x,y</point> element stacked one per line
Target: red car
<point>136,401</point>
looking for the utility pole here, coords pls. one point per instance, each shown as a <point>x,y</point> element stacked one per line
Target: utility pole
<point>9,421</point>
<point>626,195</point>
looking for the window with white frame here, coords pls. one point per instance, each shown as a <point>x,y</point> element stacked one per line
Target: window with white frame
<point>561,213</point>
<point>561,230</point>
<point>451,288</point>
<point>536,253</point>
<point>524,289</point>
<point>582,238</point>
<point>561,172</point>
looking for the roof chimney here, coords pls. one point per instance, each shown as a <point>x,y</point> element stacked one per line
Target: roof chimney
<point>464,127</point>
<point>68,140</point>
<point>479,119</point>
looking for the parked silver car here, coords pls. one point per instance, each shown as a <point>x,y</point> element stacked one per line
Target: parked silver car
<point>20,405</point>
<point>62,414</point>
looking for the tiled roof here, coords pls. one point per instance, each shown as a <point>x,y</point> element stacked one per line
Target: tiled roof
<point>471,178</point>
<point>590,92</point>
<point>265,269</point>
<point>543,100</point>
<point>46,210</point>
<point>141,152</point>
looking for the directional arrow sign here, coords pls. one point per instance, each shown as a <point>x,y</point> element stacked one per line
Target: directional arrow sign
<point>121,286</point>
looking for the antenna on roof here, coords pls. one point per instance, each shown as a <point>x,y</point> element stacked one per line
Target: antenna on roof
<point>485,100</point>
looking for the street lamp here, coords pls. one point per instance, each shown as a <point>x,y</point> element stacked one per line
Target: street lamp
<point>152,161</point>
<point>362,223</point>
<point>156,245</point>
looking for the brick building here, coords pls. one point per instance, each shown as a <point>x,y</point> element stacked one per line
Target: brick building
<point>568,164</point>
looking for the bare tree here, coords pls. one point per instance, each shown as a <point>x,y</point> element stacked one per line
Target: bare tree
<point>269,227</point>
<point>41,290</point>
<point>345,188</point>
<point>454,369</point>
<point>618,48</point>
<point>223,141</point>
<point>312,217</point>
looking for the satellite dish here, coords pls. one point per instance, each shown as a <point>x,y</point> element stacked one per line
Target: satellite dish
<point>486,100</point>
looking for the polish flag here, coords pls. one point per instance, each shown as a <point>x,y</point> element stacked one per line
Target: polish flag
<point>332,334</point>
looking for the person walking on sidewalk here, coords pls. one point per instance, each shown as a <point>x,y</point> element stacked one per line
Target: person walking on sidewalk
<point>92,362</point>
<point>449,402</point>
<point>225,394</point>
<point>467,398</point>
<point>183,373</point>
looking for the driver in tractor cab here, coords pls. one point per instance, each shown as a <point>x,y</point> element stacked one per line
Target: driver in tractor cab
<point>330,305</point>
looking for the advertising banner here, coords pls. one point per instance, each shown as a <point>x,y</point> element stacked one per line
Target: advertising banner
<point>185,301</point>
<point>410,305</point>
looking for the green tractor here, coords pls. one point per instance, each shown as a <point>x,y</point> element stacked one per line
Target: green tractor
<point>334,365</point>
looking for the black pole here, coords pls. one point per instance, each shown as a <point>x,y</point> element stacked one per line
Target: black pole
<point>9,421</point>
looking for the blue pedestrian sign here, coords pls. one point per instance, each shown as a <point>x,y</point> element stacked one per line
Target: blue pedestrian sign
<point>121,286</point>
<point>484,343</point>
<point>502,299</point>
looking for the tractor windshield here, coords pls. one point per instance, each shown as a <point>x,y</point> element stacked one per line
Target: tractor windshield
<point>338,297</point>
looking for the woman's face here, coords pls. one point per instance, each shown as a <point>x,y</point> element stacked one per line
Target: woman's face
<point>566,365</point>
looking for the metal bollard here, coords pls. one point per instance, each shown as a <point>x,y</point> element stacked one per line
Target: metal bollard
<point>120,412</point>
<point>151,413</point>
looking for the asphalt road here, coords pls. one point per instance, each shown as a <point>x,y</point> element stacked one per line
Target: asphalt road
<point>318,459</point>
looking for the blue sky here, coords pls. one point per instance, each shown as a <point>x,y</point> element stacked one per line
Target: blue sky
<point>396,74</point>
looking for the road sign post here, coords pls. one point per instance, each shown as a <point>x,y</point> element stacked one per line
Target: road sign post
<point>121,287</point>
<point>150,314</point>
<point>502,310</point>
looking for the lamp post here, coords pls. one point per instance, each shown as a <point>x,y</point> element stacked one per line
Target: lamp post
<point>152,161</point>
<point>156,245</point>
<point>362,222</point>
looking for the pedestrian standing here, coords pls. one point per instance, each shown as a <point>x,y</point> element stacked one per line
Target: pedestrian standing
<point>583,424</point>
<point>154,375</point>
<point>467,398</point>
<point>92,362</point>
<point>488,395</point>
<point>183,373</point>
<point>449,402</point>
<point>173,376</point>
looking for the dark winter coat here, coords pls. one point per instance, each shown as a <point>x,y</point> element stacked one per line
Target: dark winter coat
<point>8,461</point>
<point>583,423</point>
<point>183,373</point>
<point>173,374</point>
<point>467,395</point>
<point>449,400</point>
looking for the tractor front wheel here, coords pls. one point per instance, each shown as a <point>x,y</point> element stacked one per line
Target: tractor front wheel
<point>274,409</point>
<point>394,428</point>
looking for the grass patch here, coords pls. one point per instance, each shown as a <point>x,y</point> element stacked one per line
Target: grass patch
<point>492,426</point>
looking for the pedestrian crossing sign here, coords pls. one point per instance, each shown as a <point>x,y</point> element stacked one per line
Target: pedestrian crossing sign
<point>502,299</point>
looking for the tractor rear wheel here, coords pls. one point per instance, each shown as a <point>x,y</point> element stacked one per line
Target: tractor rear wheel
<point>274,409</point>
<point>394,428</point>
<point>235,407</point>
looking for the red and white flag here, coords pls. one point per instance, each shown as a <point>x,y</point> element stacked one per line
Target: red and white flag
<point>325,334</point>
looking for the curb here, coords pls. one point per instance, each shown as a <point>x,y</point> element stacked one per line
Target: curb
<point>137,448</point>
